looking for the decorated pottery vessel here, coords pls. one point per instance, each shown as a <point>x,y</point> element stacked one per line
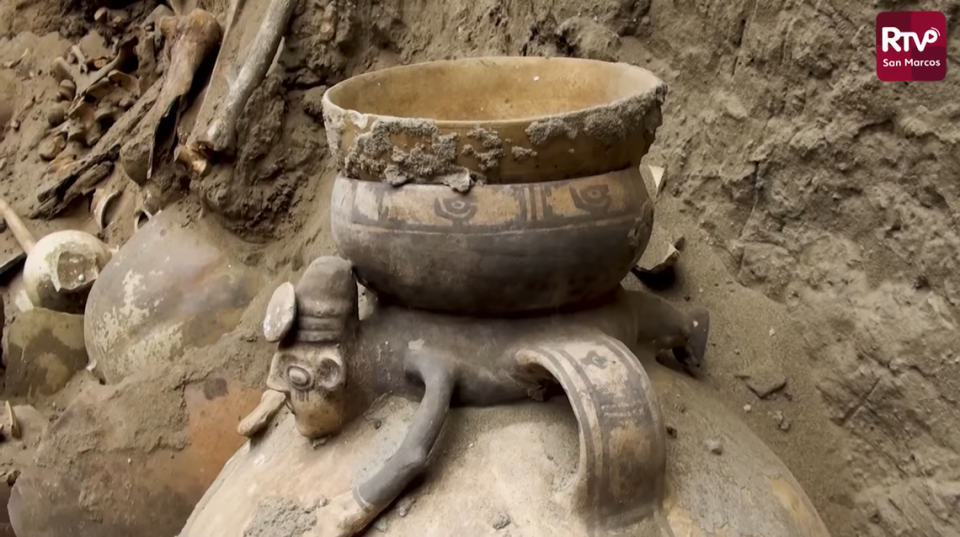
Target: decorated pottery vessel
<point>493,185</point>
<point>498,248</point>
<point>633,448</point>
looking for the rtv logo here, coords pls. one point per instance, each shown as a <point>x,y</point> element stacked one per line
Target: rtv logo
<point>893,36</point>
<point>911,45</point>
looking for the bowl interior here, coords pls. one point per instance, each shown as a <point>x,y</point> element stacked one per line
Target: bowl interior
<point>491,89</point>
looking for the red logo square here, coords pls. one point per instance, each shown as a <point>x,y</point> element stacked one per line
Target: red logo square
<point>911,45</point>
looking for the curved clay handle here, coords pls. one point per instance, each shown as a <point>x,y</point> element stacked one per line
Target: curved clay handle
<point>620,478</point>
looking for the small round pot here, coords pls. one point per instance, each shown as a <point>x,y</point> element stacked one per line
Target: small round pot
<point>498,248</point>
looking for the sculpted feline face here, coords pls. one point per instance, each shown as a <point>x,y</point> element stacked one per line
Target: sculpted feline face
<point>314,325</point>
<point>313,377</point>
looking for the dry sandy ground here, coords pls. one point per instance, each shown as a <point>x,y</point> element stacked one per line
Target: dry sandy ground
<point>820,206</point>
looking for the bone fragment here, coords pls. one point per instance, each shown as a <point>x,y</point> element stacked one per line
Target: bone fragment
<point>14,63</point>
<point>153,19</point>
<point>124,53</point>
<point>177,6</point>
<point>83,82</point>
<point>125,81</point>
<point>220,136</point>
<point>15,432</point>
<point>113,18</point>
<point>192,39</point>
<point>62,70</point>
<point>83,123</point>
<point>22,113</point>
<point>78,55</point>
<point>53,146</point>
<point>20,231</point>
<point>56,115</point>
<point>63,185</point>
<point>107,113</point>
<point>67,89</point>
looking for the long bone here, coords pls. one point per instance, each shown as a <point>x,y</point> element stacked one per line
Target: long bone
<point>193,38</point>
<point>220,134</point>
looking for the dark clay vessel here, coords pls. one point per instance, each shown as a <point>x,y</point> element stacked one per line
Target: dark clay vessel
<point>493,185</point>
<point>496,249</point>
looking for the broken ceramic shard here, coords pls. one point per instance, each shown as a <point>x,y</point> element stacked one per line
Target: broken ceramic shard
<point>662,274</point>
<point>665,265</point>
<point>655,179</point>
<point>281,312</point>
<point>100,203</point>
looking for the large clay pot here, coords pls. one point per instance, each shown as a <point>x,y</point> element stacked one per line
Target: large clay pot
<point>508,119</point>
<point>507,465</point>
<point>498,248</point>
<point>640,450</point>
<point>170,288</point>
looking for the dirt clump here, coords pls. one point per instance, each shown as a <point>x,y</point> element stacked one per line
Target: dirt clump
<point>281,517</point>
<point>421,164</point>
<point>255,195</point>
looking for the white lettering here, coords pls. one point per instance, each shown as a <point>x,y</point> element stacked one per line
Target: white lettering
<point>922,63</point>
<point>890,38</point>
<point>891,63</point>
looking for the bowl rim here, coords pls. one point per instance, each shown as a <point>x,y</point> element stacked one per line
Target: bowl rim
<point>658,85</point>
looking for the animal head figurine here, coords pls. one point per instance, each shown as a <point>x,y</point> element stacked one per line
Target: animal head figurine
<point>315,326</point>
